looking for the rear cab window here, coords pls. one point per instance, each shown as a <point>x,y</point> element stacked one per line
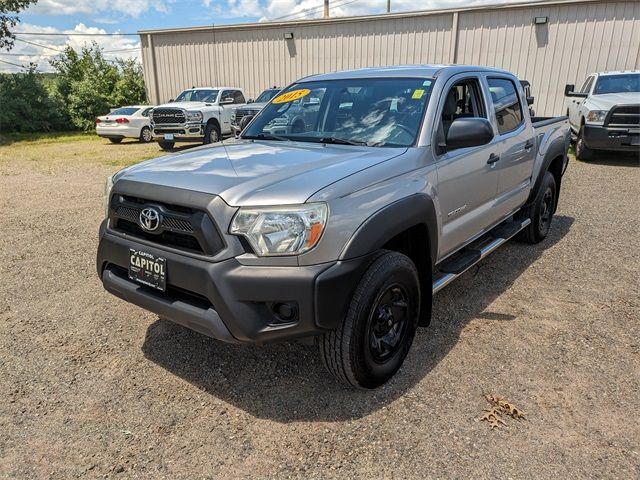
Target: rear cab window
<point>506,104</point>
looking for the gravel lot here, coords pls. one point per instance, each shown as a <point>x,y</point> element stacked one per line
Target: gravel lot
<point>94,387</point>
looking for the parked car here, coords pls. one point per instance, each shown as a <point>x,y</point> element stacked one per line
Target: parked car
<point>605,113</point>
<point>342,231</point>
<point>125,122</point>
<point>241,116</point>
<point>197,114</point>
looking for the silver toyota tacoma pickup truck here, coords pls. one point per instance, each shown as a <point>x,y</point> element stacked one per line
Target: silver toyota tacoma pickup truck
<point>399,180</point>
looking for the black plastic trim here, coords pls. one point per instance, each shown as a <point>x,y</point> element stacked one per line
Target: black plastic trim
<point>392,220</point>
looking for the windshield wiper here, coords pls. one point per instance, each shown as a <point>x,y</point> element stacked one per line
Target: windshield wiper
<point>266,136</point>
<point>342,141</point>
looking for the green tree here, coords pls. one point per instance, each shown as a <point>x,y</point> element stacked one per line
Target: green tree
<point>28,105</point>
<point>129,88</point>
<point>9,10</point>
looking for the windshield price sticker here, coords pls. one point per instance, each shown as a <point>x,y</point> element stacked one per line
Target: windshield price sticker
<point>292,95</point>
<point>417,94</point>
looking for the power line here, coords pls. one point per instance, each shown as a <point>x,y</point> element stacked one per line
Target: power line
<point>312,10</point>
<point>40,45</point>
<point>11,63</point>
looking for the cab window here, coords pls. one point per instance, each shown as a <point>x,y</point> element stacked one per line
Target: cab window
<point>506,104</point>
<point>462,101</point>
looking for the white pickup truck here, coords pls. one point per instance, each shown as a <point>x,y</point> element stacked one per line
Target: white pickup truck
<point>197,114</point>
<point>605,113</point>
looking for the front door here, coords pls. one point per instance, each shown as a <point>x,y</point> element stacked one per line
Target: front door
<point>467,177</point>
<point>574,104</point>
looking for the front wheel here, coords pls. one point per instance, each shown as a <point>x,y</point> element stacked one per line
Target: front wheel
<point>540,212</point>
<point>583,152</point>
<point>212,133</point>
<point>370,345</point>
<point>164,145</point>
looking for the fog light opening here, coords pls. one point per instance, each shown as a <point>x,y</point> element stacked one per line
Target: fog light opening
<point>285,312</point>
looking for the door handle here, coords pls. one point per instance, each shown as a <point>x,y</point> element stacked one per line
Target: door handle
<point>493,158</point>
<point>528,145</point>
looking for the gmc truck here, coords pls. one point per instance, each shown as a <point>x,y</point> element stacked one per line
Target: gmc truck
<point>401,180</point>
<point>605,113</point>
<point>196,115</point>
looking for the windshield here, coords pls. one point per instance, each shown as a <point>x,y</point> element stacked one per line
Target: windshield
<point>365,111</point>
<point>617,84</point>
<point>124,111</point>
<point>197,96</point>
<point>266,96</point>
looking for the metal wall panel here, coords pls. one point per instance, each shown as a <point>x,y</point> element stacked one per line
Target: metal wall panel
<point>580,37</point>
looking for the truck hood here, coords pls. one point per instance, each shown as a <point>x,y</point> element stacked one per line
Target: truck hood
<point>608,100</point>
<point>259,172</point>
<point>186,105</point>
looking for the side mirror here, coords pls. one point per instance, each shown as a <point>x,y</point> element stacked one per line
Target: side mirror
<point>251,100</point>
<point>226,101</point>
<point>568,89</point>
<point>170,100</point>
<point>469,132</point>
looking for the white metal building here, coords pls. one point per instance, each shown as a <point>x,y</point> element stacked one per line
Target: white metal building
<point>549,43</point>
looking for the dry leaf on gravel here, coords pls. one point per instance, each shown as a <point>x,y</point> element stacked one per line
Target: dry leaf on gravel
<point>500,407</point>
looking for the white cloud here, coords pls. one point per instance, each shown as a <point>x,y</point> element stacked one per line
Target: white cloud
<point>131,8</point>
<point>40,49</point>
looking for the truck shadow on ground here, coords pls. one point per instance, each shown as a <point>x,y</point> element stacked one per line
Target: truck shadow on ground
<point>287,382</point>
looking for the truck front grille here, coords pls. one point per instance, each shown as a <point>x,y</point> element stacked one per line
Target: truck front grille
<point>625,115</point>
<point>181,227</point>
<point>240,114</point>
<point>168,116</point>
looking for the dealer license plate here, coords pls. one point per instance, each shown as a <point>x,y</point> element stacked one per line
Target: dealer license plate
<point>168,136</point>
<point>148,269</point>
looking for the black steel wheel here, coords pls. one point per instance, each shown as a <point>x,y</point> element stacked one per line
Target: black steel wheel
<point>582,151</point>
<point>371,343</point>
<point>540,212</point>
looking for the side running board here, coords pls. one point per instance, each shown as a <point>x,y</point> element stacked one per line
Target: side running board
<point>463,260</point>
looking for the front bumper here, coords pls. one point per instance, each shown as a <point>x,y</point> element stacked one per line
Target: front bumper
<point>233,302</point>
<point>183,131</point>
<point>599,137</point>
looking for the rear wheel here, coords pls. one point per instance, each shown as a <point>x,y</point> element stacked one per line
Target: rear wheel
<point>212,133</point>
<point>582,151</point>
<point>164,145</point>
<point>540,212</point>
<point>370,345</point>
<point>145,135</point>
<point>115,140</point>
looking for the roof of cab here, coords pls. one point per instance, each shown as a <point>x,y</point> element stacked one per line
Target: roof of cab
<point>419,71</point>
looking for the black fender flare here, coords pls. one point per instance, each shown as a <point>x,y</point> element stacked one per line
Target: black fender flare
<point>558,148</point>
<point>392,220</point>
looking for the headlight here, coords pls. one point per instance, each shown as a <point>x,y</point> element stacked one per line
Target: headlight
<point>596,116</point>
<point>107,194</point>
<point>286,230</point>
<point>193,116</point>
<point>233,115</point>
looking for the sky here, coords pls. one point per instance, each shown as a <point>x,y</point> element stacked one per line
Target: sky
<point>73,17</point>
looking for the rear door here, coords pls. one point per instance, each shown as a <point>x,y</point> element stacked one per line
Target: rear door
<point>515,142</point>
<point>467,184</point>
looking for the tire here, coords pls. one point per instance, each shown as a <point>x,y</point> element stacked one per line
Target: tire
<point>244,121</point>
<point>540,212</point>
<point>356,353</point>
<point>583,152</point>
<point>211,134</point>
<point>145,135</point>
<point>164,145</point>
<point>115,140</point>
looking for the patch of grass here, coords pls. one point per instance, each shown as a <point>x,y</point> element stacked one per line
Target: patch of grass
<point>44,137</point>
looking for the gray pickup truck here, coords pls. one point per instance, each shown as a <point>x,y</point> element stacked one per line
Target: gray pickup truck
<point>400,179</point>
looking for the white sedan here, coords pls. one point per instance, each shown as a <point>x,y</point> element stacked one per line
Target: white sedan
<point>126,122</point>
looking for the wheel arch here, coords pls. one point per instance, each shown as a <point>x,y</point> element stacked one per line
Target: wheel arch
<point>408,226</point>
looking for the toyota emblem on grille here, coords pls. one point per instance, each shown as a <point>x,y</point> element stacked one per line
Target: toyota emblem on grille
<point>149,219</point>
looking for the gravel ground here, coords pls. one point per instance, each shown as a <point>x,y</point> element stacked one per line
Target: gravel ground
<point>94,387</point>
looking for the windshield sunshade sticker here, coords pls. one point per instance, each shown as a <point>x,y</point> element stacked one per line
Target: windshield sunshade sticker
<point>292,95</point>
<point>417,94</point>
